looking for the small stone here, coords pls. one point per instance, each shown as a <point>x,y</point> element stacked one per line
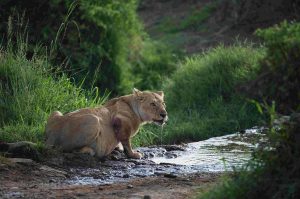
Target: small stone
<point>52,170</point>
<point>21,160</point>
<point>170,175</point>
<point>147,197</point>
<point>100,188</point>
<point>151,155</point>
<point>52,180</point>
<point>129,186</point>
<point>126,175</point>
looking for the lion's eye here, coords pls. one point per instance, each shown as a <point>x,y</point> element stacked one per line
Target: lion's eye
<point>152,104</point>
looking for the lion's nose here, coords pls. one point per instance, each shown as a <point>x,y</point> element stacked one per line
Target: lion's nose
<point>163,115</point>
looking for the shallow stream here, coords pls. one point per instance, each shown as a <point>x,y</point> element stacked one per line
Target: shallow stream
<point>218,154</point>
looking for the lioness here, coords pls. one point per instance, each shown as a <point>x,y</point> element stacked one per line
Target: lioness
<point>98,131</point>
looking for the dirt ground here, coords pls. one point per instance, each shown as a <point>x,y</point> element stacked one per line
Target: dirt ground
<point>34,180</point>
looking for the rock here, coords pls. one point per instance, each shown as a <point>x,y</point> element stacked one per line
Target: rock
<point>147,197</point>
<point>4,146</point>
<point>170,175</point>
<point>129,186</point>
<point>174,147</point>
<point>159,173</point>
<point>52,180</point>
<point>21,160</point>
<point>53,172</point>
<point>171,155</point>
<point>126,175</point>
<point>116,155</point>
<point>153,151</point>
<point>23,149</point>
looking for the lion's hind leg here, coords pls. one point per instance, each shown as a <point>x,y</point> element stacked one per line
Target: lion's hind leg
<point>82,134</point>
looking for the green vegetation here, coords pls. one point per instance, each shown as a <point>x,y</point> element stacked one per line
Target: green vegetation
<point>28,94</point>
<point>198,16</point>
<point>275,173</point>
<point>102,42</point>
<point>201,95</point>
<point>202,92</point>
<point>271,174</point>
<point>156,62</point>
<point>281,66</point>
<point>194,20</point>
<point>88,43</point>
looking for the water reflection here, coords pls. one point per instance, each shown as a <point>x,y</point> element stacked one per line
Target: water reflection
<point>218,153</point>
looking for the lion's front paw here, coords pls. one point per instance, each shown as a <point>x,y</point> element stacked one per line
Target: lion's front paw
<point>136,155</point>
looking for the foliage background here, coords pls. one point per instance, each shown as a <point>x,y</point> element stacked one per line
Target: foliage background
<point>102,42</point>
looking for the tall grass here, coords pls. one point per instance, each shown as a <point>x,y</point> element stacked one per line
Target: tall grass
<point>30,90</point>
<point>273,173</point>
<point>269,174</point>
<point>201,96</point>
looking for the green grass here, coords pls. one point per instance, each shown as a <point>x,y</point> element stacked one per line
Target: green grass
<point>193,20</point>
<point>30,90</point>
<point>197,17</point>
<point>270,174</point>
<point>201,95</point>
<point>273,173</point>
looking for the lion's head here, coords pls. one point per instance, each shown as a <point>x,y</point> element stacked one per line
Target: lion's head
<point>151,106</point>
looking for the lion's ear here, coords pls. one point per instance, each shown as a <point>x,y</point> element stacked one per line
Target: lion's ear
<point>161,93</point>
<point>136,92</point>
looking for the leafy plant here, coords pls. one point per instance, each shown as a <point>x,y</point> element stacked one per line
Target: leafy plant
<point>201,96</point>
<point>273,173</point>
<point>279,78</point>
<point>29,93</point>
<point>95,39</point>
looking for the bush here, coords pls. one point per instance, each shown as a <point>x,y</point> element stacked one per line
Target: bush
<point>281,67</point>
<point>276,173</point>
<point>153,64</point>
<point>201,95</point>
<point>28,94</point>
<point>102,42</point>
<point>93,38</point>
<point>270,174</point>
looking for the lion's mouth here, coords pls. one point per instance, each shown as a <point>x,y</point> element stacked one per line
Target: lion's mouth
<point>159,122</point>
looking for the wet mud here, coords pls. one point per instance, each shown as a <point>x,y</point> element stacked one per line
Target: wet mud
<point>163,172</point>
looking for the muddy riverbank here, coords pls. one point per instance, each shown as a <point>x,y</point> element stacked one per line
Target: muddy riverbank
<point>125,178</point>
<point>33,182</point>
<point>164,171</point>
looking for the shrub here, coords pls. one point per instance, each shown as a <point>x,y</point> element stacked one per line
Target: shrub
<point>153,64</point>
<point>270,174</point>
<point>28,94</point>
<point>93,38</point>
<point>201,95</point>
<point>276,173</point>
<point>281,67</point>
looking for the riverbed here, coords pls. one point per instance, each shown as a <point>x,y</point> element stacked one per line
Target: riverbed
<point>165,171</point>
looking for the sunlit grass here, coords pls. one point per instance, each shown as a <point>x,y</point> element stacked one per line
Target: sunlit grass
<point>201,96</point>
<point>30,90</point>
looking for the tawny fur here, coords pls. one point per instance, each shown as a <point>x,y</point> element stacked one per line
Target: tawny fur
<point>98,131</point>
